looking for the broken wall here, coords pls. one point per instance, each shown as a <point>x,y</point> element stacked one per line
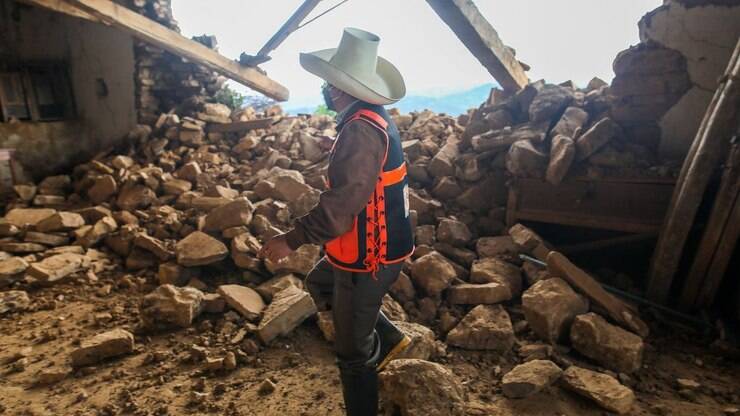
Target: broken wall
<point>100,62</point>
<point>664,84</point>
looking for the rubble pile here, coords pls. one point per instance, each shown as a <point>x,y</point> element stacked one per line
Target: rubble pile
<point>181,210</point>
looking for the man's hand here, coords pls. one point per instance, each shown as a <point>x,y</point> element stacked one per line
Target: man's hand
<point>275,249</point>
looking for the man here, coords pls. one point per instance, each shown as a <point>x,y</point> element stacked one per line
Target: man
<point>363,219</point>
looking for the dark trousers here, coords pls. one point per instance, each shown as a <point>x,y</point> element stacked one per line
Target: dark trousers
<point>355,300</point>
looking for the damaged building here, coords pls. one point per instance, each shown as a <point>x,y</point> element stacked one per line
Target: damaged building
<point>567,236</point>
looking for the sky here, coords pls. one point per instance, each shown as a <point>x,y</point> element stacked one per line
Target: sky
<point>561,40</point>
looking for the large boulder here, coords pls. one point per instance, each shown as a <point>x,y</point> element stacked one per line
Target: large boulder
<point>602,389</point>
<point>233,214</point>
<point>422,388</point>
<point>453,232</point>
<point>432,273</point>
<point>199,249</point>
<point>493,270</point>
<point>58,266</point>
<point>61,221</point>
<point>244,299</point>
<point>171,306</point>
<point>549,102</point>
<point>572,119</point>
<point>607,344</point>
<point>550,306</point>
<point>289,308</point>
<point>486,327</point>
<point>596,137</point>
<point>529,378</point>
<point>21,217</point>
<point>562,154</point>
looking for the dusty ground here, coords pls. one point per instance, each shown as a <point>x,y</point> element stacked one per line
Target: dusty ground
<point>160,379</point>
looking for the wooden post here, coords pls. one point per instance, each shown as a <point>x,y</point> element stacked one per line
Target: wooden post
<point>716,129</point>
<point>481,39</point>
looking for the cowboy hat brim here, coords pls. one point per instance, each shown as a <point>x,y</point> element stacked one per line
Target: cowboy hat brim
<point>385,86</point>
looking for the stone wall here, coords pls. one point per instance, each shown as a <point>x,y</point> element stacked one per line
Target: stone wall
<point>663,85</point>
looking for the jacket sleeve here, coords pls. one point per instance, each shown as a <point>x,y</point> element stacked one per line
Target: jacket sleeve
<point>353,173</point>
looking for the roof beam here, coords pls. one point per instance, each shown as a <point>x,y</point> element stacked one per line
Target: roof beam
<point>481,39</point>
<point>107,12</point>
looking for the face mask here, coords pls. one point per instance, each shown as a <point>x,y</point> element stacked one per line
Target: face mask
<point>325,91</point>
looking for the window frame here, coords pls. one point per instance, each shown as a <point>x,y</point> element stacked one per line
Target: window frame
<point>54,72</point>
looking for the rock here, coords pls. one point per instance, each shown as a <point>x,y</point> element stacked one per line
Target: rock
<point>443,163</point>
<point>325,321</point>
<point>103,188</point>
<point>289,308</point>
<point>233,214</point>
<point>529,378</point>
<point>189,172</point>
<point>609,345</point>
<point>122,162</point>
<point>97,232</point>
<point>403,289</point>
<point>10,268</point>
<point>687,384</point>
<point>106,345</point>
<point>299,262</point>
<point>171,306</point>
<point>266,387</point>
<point>453,232</point>
<point>21,248</point>
<point>61,221</point>
<point>524,160</point>
<point>269,288</point>
<point>53,240</point>
<point>596,137</point>
<point>57,267</point>
<point>491,270</point>
<point>176,186</point>
<point>199,249</point>
<point>432,273</point>
<point>485,327</point>
<point>550,307</point>
<point>392,309</point>
<point>425,234</point>
<point>422,388</point>
<point>53,375</point>
<point>154,246</point>
<point>529,241</point>
<point>244,299</point>
<point>476,294</point>
<point>604,390</point>
<point>49,200</point>
<point>549,102</point>
<point>502,246</point>
<point>311,147</point>
<point>289,187</point>
<point>8,230</point>
<point>135,197</point>
<point>21,217</point>
<point>25,192</point>
<point>14,301</point>
<point>424,344</point>
<point>562,153</point>
<point>573,119</point>
<point>174,274</point>
<point>446,188</point>
<point>499,140</point>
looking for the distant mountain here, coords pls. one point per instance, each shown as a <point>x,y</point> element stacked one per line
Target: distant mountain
<point>454,103</point>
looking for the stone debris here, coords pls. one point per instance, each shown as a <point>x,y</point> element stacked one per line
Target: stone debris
<point>550,307</point>
<point>485,327</point>
<point>325,321</point>
<point>432,273</point>
<point>243,299</point>
<point>13,301</point>
<point>22,217</point>
<point>57,267</point>
<point>424,344</point>
<point>289,308</point>
<point>609,345</point>
<point>529,378</point>
<point>419,387</point>
<point>199,249</point>
<point>60,221</point>
<point>299,262</point>
<point>476,294</point>
<point>106,345</point>
<point>10,269</point>
<point>603,389</point>
<point>171,306</point>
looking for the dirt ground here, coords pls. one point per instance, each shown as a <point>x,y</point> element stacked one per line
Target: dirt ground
<point>160,378</point>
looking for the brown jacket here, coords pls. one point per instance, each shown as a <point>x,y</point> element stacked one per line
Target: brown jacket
<point>353,172</point>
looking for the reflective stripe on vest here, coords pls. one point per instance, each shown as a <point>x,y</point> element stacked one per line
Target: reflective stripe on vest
<point>364,247</point>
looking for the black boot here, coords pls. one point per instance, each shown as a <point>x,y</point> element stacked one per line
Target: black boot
<point>360,385</point>
<point>392,341</point>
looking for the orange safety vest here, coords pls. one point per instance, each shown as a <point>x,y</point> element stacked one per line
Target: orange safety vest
<point>367,245</point>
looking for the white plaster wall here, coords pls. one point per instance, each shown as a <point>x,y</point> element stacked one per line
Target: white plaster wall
<point>706,36</point>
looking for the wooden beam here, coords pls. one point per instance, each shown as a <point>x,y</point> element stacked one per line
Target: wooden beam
<point>62,6</point>
<point>239,126</point>
<point>481,39</point>
<point>150,31</point>
<point>559,266</point>
<point>718,240</point>
<point>285,30</point>
<point>718,126</point>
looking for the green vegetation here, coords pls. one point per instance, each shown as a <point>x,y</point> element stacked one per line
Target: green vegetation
<point>232,99</point>
<point>321,110</point>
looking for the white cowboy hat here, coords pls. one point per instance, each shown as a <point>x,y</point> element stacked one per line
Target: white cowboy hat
<point>355,68</point>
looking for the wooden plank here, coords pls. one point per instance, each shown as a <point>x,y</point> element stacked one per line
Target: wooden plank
<point>718,126</point>
<point>722,257</point>
<point>559,266</point>
<point>607,243</point>
<point>238,126</point>
<point>481,39</point>
<point>150,31</point>
<point>722,208</point>
<point>285,30</point>
<point>61,6</point>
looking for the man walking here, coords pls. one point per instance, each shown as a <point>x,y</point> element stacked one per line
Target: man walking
<point>363,219</point>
